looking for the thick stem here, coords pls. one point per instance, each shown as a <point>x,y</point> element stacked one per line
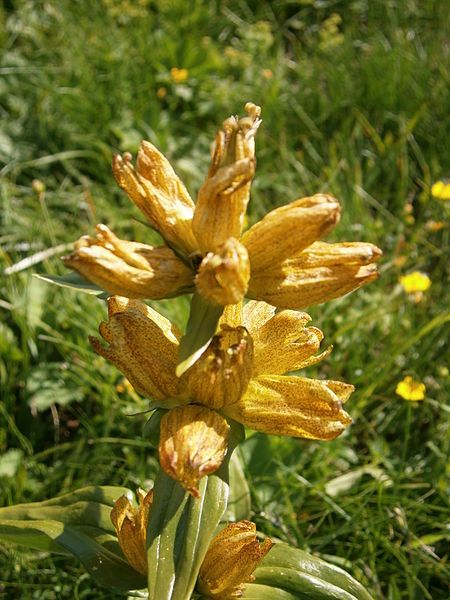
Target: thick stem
<point>181,528</point>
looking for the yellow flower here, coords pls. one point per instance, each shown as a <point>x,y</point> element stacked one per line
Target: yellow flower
<point>130,523</point>
<point>178,75</point>
<point>143,345</point>
<point>278,260</point>
<point>193,444</point>
<point>409,389</point>
<point>232,557</point>
<point>434,226</point>
<point>441,190</point>
<point>415,282</point>
<point>129,268</point>
<point>240,375</point>
<point>161,92</point>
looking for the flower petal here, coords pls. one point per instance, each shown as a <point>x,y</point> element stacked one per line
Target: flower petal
<point>223,277</point>
<point>294,406</point>
<point>256,314</point>
<point>283,343</point>
<point>159,194</point>
<point>221,375</point>
<point>193,444</point>
<point>223,198</point>
<point>232,557</point>
<point>287,230</point>
<point>129,268</point>
<point>130,523</point>
<point>319,273</point>
<point>143,345</point>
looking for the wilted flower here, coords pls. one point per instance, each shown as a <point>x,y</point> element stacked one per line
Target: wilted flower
<point>240,375</point>
<point>129,268</point>
<point>409,389</point>
<point>441,190</point>
<point>130,523</point>
<point>415,282</point>
<point>278,260</point>
<point>232,557</point>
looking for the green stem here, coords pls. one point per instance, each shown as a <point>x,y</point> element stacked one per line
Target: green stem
<point>181,528</point>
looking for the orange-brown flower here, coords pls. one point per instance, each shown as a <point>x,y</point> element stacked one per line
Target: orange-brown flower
<point>278,260</point>
<point>240,375</point>
<point>130,523</point>
<point>232,557</point>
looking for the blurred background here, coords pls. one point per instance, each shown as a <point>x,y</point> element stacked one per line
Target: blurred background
<point>355,102</point>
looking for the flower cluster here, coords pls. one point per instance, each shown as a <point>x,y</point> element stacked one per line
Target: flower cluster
<point>279,263</point>
<point>279,260</point>
<point>241,376</point>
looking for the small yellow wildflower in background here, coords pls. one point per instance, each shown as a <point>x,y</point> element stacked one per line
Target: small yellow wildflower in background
<point>415,282</point>
<point>409,389</point>
<point>161,92</point>
<point>267,73</point>
<point>178,75</point>
<point>441,190</point>
<point>434,226</point>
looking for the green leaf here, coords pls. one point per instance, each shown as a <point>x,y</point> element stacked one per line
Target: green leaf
<point>10,462</point>
<point>201,326</point>
<point>107,567</point>
<point>295,581</point>
<point>181,528</point>
<point>78,523</point>
<point>257,591</point>
<point>315,574</point>
<point>239,503</point>
<point>75,281</point>
<point>150,430</point>
<point>50,384</point>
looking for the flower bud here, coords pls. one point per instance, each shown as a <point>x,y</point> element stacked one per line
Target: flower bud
<point>223,276</point>
<point>221,375</point>
<point>193,443</point>
<point>223,198</point>
<point>143,345</point>
<point>129,268</point>
<point>320,273</point>
<point>232,557</point>
<point>159,194</point>
<point>130,523</point>
<point>287,230</point>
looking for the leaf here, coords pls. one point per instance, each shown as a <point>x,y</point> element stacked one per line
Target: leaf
<point>256,591</point>
<point>50,384</point>
<point>73,280</point>
<point>106,566</point>
<point>294,581</point>
<point>316,574</point>
<point>151,429</point>
<point>343,483</point>
<point>10,462</point>
<point>201,326</point>
<point>239,503</point>
<point>77,523</point>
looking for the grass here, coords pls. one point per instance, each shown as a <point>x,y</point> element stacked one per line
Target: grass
<point>355,98</point>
